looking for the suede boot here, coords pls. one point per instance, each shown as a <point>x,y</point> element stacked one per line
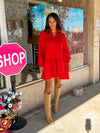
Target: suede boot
<point>57,91</point>
<point>47,106</point>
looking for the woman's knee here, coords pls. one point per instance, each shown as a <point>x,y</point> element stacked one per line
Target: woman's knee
<point>48,85</point>
<point>47,90</point>
<point>57,82</point>
<point>59,86</point>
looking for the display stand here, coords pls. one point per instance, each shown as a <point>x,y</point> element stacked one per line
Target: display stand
<point>17,122</point>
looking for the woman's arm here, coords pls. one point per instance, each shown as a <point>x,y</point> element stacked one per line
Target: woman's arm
<point>69,67</point>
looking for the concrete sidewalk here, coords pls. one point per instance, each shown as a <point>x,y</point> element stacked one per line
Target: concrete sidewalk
<point>76,115</point>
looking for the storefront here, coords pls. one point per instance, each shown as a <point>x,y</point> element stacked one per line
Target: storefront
<point>22,20</point>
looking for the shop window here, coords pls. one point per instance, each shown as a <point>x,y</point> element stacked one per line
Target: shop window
<point>74,25</point>
<point>25,19</point>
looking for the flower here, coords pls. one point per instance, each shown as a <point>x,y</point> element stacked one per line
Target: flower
<point>5,110</point>
<point>13,96</point>
<point>1,107</point>
<point>9,99</point>
<point>4,104</point>
<point>14,110</point>
<point>15,105</point>
<point>20,93</point>
<point>6,94</point>
<point>5,97</point>
<point>0,99</point>
<point>16,94</point>
<point>9,103</point>
<point>9,92</point>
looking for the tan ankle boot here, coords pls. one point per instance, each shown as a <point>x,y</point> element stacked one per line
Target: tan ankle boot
<point>56,98</point>
<point>47,106</point>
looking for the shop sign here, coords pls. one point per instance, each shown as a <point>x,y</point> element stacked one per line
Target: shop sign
<point>12,59</point>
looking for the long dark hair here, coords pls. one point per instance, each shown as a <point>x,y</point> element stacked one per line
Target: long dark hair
<point>55,16</point>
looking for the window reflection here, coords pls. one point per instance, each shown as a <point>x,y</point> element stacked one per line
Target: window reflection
<point>74,25</point>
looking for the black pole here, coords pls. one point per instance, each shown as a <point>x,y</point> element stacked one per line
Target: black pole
<point>13,86</point>
<point>17,122</point>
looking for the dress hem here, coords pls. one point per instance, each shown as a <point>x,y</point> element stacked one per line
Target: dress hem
<point>56,77</point>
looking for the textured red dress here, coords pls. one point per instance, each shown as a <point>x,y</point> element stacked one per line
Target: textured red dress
<point>53,55</point>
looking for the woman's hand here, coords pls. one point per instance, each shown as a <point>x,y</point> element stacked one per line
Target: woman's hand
<point>69,67</point>
<point>41,69</point>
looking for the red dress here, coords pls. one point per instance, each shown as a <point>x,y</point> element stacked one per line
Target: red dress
<point>53,55</point>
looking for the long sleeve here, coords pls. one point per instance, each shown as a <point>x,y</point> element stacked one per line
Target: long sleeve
<point>66,50</point>
<point>41,49</point>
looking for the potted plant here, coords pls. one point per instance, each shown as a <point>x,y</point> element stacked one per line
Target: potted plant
<point>10,104</point>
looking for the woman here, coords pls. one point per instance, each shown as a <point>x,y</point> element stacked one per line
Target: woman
<point>54,61</point>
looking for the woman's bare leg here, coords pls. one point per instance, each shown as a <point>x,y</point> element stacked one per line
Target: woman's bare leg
<point>48,85</point>
<point>57,82</point>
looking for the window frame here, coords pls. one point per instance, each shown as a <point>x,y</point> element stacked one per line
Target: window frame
<point>5,39</point>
